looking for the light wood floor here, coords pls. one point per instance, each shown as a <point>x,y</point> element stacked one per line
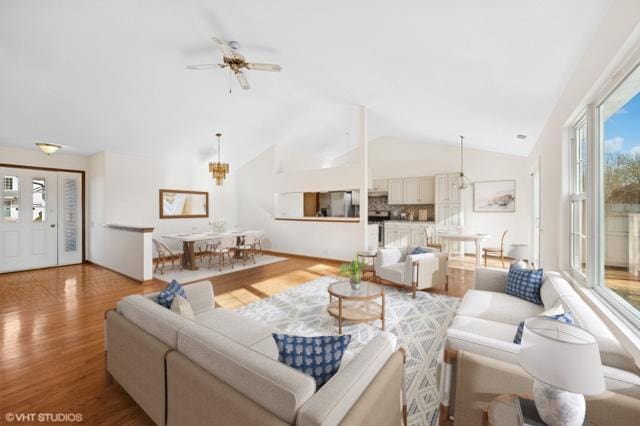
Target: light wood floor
<point>51,331</point>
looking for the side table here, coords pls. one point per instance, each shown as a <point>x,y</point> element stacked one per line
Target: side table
<point>368,258</point>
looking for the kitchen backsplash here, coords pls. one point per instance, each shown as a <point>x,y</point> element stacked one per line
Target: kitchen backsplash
<point>380,203</point>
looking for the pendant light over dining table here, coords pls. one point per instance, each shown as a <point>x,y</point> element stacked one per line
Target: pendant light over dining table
<point>464,182</point>
<point>218,169</point>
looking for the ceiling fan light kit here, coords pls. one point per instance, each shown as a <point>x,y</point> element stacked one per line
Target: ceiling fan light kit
<point>236,63</point>
<point>218,169</point>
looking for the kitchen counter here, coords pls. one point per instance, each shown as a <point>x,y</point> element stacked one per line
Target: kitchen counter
<point>409,221</point>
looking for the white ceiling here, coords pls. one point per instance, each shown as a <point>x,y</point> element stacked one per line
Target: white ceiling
<point>110,75</point>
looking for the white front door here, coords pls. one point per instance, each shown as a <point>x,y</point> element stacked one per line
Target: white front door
<point>28,234</point>
<point>40,219</point>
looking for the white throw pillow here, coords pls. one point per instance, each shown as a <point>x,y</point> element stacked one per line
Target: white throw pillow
<point>181,306</point>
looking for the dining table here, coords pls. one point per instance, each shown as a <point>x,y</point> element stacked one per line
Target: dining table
<point>455,236</point>
<point>189,239</point>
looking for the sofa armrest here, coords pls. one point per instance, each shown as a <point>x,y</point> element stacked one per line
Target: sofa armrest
<point>490,280</point>
<point>200,296</point>
<point>426,269</point>
<point>333,401</point>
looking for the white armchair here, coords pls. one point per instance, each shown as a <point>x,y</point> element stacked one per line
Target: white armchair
<point>418,271</point>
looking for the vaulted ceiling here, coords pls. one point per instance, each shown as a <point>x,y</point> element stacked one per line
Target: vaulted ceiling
<point>110,75</point>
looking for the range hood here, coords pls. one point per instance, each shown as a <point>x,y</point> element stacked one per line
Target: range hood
<point>373,193</point>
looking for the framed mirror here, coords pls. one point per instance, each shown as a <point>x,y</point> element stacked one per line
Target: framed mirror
<point>178,204</point>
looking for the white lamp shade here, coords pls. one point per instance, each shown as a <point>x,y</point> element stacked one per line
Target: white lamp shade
<point>562,355</point>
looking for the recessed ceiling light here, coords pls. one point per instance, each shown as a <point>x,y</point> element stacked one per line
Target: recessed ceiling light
<point>521,137</point>
<point>48,148</point>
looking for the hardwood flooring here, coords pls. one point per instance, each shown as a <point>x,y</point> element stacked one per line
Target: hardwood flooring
<point>51,331</point>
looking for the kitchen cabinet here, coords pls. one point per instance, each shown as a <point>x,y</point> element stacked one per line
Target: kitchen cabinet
<point>418,190</point>
<point>410,191</point>
<point>446,188</point>
<point>380,185</point>
<point>355,197</point>
<point>403,234</point>
<point>396,191</point>
<point>426,190</point>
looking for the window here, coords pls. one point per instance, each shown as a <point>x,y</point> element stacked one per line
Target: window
<point>10,199</point>
<point>39,200</point>
<point>579,198</point>
<point>618,242</point>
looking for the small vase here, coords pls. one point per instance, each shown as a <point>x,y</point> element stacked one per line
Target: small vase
<point>355,282</point>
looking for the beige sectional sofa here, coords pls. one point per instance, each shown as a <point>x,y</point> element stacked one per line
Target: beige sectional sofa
<point>222,368</point>
<point>487,320</point>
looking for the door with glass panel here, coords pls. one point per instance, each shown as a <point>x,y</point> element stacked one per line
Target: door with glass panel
<point>40,222</point>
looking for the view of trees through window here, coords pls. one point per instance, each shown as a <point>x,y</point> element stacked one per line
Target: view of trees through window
<point>620,126</point>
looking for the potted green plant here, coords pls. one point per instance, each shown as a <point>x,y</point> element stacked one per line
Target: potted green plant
<point>353,270</point>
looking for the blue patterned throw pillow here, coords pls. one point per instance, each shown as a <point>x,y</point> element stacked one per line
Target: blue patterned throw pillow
<point>566,318</point>
<point>525,283</point>
<point>166,296</point>
<point>318,357</point>
<point>420,250</point>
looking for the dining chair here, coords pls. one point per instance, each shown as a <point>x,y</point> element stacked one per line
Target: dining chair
<point>210,249</point>
<point>428,232</point>
<point>257,245</point>
<point>246,247</point>
<point>165,254</point>
<point>226,246</point>
<point>494,251</point>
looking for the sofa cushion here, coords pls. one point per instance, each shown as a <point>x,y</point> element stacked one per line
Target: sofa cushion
<point>242,330</point>
<point>267,347</point>
<point>317,356</point>
<point>525,283</point>
<point>393,273</point>
<point>199,295</point>
<point>156,320</point>
<point>166,296</point>
<point>271,384</point>
<point>492,329</point>
<point>500,307</point>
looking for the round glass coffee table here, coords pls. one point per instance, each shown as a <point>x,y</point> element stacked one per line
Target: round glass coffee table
<point>356,305</point>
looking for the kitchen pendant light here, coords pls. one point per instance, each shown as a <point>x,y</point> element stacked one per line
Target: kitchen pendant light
<point>219,170</point>
<point>464,181</point>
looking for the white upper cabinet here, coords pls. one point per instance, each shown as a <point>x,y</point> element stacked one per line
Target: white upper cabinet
<point>426,187</point>
<point>418,190</point>
<point>380,185</point>
<point>442,189</point>
<point>396,191</point>
<point>446,188</point>
<point>411,191</point>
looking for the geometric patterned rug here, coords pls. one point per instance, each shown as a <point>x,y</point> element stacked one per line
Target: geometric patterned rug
<point>419,324</point>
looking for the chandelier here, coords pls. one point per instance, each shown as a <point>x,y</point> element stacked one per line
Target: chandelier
<point>219,170</point>
<point>464,181</point>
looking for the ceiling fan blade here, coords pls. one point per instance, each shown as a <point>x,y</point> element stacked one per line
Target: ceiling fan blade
<point>205,66</point>
<point>264,67</point>
<point>223,46</point>
<point>243,80</point>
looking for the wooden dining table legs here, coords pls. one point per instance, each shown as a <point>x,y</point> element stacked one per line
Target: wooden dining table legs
<point>189,256</point>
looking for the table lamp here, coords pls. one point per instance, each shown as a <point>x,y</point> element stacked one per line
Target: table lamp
<point>565,362</point>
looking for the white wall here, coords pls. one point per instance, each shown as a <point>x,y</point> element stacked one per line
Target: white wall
<point>257,182</point>
<point>396,158</point>
<point>132,187</point>
<point>37,158</point>
<point>609,46</point>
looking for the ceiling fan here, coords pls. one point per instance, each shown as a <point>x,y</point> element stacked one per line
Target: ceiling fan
<point>233,60</point>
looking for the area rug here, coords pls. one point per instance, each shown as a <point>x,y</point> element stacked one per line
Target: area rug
<point>186,276</point>
<point>419,324</point>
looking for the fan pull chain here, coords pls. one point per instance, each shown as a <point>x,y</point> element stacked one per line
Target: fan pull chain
<point>230,78</point>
